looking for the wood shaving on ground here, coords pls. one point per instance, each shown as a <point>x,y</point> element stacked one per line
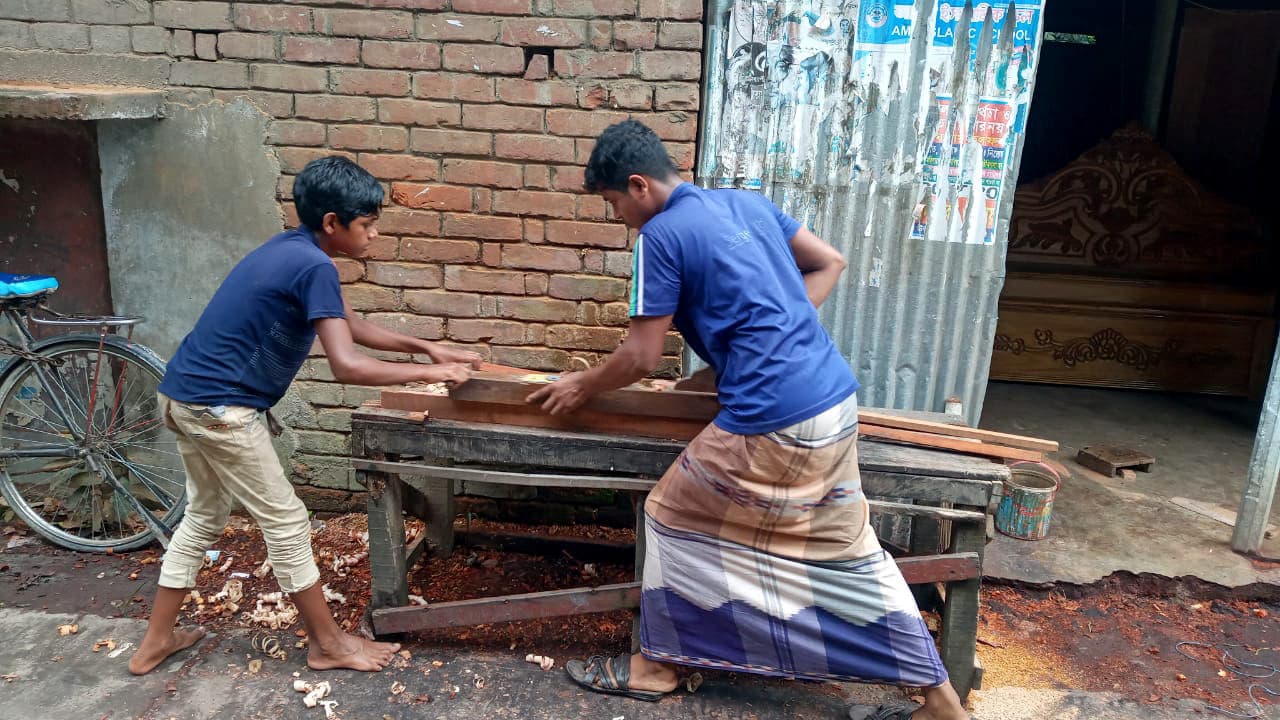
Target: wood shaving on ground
<point>397,687</point>
<point>107,643</point>
<point>255,666</point>
<point>120,650</point>
<point>315,692</point>
<point>545,662</point>
<point>263,569</point>
<point>333,596</point>
<point>329,706</point>
<point>269,646</point>
<point>65,630</point>
<point>274,611</point>
<point>8,678</point>
<point>417,600</point>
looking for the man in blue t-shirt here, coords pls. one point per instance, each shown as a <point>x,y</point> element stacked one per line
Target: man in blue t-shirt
<point>245,350</point>
<point>759,556</point>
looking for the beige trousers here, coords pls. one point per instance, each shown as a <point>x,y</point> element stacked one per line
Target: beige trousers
<point>228,456</point>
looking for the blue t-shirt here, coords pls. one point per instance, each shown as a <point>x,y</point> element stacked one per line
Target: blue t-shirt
<point>720,261</point>
<point>257,330</point>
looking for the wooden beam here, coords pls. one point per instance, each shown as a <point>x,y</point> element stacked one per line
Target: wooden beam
<point>942,442</point>
<point>905,423</point>
<point>634,400</point>
<point>940,568</point>
<point>499,477</point>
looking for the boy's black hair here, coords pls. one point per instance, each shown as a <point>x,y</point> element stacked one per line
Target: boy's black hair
<point>334,184</point>
<point>625,149</point>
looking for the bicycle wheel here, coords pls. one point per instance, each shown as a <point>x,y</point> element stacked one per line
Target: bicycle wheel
<point>88,411</point>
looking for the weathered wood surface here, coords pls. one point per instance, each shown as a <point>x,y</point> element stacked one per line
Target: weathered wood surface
<point>387,554</point>
<point>967,446</point>
<point>960,610</point>
<point>893,420</point>
<point>633,400</point>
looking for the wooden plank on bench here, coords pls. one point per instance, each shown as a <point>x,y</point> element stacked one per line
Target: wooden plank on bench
<point>940,568</point>
<point>892,420</point>
<point>507,608</point>
<point>498,477</point>
<point>954,444</point>
<point>633,400</point>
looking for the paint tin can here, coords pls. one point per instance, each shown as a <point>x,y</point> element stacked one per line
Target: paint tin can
<point>1027,504</point>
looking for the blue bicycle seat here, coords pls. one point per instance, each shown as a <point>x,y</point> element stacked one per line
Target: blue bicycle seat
<point>13,286</point>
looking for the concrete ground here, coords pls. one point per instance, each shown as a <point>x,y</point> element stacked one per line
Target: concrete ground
<point>1104,525</point>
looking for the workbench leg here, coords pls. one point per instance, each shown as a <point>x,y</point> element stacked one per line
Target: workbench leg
<point>440,513</point>
<point>960,611</point>
<point>637,504</point>
<point>390,586</point>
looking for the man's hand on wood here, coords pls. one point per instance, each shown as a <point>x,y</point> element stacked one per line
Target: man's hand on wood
<point>562,396</point>
<point>441,354</point>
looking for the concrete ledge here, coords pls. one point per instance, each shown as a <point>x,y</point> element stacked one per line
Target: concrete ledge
<point>55,68</point>
<point>90,102</point>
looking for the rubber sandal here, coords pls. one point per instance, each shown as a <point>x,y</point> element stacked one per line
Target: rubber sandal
<point>888,711</point>
<point>610,676</point>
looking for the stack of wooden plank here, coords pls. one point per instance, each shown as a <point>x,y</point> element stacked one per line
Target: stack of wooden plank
<point>652,409</point>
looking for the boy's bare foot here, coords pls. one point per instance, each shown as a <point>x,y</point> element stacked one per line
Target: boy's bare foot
<point>352,653</point>
<point>149,655</point>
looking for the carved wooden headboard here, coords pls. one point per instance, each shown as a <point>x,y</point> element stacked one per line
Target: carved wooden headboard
<point>1125,208</point>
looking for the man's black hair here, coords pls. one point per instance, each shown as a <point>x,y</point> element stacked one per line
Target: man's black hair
<point>625,149</point>
<point>334,184</point>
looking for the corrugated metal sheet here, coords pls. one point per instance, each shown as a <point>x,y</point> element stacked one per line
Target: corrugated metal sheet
<point>870,123</point>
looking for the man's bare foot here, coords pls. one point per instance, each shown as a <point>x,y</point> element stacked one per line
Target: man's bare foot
<point>649,675</point>
<point>149,655</point>
<point>352,653</point>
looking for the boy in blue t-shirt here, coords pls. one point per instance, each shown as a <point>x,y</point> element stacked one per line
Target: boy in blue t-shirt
<point>245,350</point>
<point>759,553</point>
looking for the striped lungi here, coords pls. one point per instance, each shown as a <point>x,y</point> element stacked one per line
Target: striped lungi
<point>760,559</point>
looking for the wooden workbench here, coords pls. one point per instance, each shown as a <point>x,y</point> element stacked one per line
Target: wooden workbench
<point>408,464</point>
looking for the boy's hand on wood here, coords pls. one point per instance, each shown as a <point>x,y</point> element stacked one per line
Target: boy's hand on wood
<point>441,355</point>
<point>451,374</point>
<point>562,396</point>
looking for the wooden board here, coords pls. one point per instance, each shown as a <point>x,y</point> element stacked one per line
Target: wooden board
<point>954,444</point>
<point>635,400</point>
<point>905,423</point>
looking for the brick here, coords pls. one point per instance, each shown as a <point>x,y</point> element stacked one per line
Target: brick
<point>350,81</point>
<point>383,247</point>
<point>544,32</point>
<point>568,179</point>
<point>537,176</point>
<point>336,108</point>
<point>322,50</point>
<point>481,172</point>
<point>535,284</point>
<point>225,74</point>
<point>538,68</point>
<point>600,34</point>
<point>150,40</point>
<point>451,86</point>
<point>618,264</point>
<point>487,59</point>
<point>249,46</point>
<point>592,64</point>
<point>680,35</point>
<point>457,277</point>
<point>593,96</point>
<point>450,142</point>
<point>387,24</point>
<point>368,137</point>
<point>439,251</point>
<point>587,287</point>
<point>401,55</point>
<point>458,28</point>
<point>271,18</point>
<point>493,7</point>
<point>404,275</point>
<point>631,96</point>
<point>593,263</point>
<point>671,9</point>
<point>109,12</point>
<point>535,231</point>
<point>193,15</point>
<point>672,126</point>
<point>295,132</point>
<point>399,221</point>
<point>398,111</point>
<point>61,36</point>
<point>284,77</point>
<point>614,314</point>
<point>431,197</point>
<point>676,97</point>
<point>670,65</point>
<point>595,8</point>
<point>367,297</point>
<point>320,393</point>
<point>537,310</point>
<point>483,227</point>
<point>443,302</point>
<point>546,92</point>
<point>292,159</point>
<point>207,46</point>
<point>635,35</point>
<point>503,332</point>
<point>325,443</point>
<point>540,257</point>
<point>491,254</point>
<point>540,148</point>
<point>562,232</point>
<point>400,167</point>
<point>183,43</point>
<point>534,204</point>
<point>348,270</point>
<point>682,154</point>
<point>108,39</point>
<point>531,358</point>
<point>576,337</point>
<point>499,117</point>
<point>409,4</point>
<point>581,123</point>
<point>592,207</point>
<point>46,10</point>
<point>15,35</point>
<point>428,328</point>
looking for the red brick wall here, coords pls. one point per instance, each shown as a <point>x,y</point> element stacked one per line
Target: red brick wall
<point>478,115</point>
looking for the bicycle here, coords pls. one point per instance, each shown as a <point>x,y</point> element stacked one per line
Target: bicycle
<point>85,459</point>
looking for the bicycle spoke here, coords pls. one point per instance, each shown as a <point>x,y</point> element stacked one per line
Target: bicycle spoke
<point>142,475</point>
